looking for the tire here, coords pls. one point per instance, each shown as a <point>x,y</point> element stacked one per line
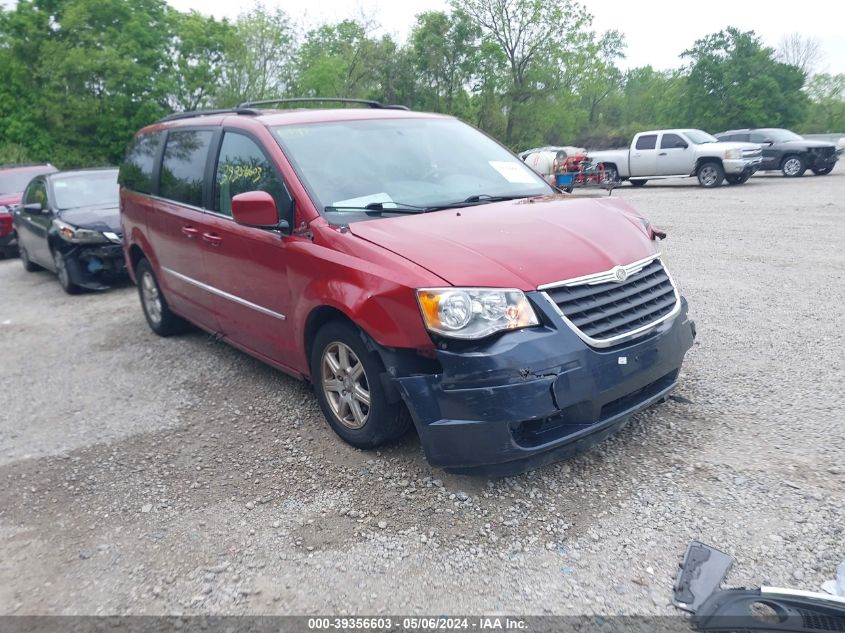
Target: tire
<point>793,166</point>
<point>347,381</point>
<point>710,174</point>
<point>738,179</point>
<point>63,275</point>
<point>638,183</point>
<point>611,175</point>
<point>822,171</point>
<point>159,317</point>
<point>28,265</point>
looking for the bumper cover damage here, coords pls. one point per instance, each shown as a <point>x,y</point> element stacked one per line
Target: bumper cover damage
<point>95,267</point>
<point>538,395</point>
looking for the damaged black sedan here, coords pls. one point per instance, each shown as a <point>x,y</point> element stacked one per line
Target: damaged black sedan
<point>68,223</point>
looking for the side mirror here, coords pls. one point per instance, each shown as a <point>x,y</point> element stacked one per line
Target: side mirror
<point>33,207</point>
<point>681,145</point>
<point>768,141</point>
<point>257,209</point>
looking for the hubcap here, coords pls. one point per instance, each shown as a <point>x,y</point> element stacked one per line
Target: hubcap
<point>708,176</point>
<point>345,385</point>
<point>151,298</point>
<point>61,269</point>
<point>792,166</point>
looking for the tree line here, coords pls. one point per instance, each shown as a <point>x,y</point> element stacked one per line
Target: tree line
<point>79,77</point>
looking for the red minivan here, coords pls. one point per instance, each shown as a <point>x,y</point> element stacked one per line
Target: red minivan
<point>415,271</point>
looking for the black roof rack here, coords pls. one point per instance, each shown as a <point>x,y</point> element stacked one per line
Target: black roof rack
<point>192,113</point>
<point>367,102</point>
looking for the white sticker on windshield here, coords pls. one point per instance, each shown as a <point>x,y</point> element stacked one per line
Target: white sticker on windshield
<point>355,203</point>
<point>512,172</point>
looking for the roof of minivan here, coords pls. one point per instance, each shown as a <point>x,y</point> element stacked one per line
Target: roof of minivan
<point>298,116</point>
<point>79,172</point>
<point>28,167</point>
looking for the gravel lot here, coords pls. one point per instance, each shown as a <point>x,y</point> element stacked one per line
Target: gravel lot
<point>148,475</point>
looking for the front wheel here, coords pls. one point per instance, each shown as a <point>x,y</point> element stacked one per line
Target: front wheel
<point>793,167</point>
<point>822,171</point>
<point>738,179</point>
<point>63,274</point>
<point>610,175</point>
<point>347,381</point>
<point>638,183</point>
<point>710,175</point>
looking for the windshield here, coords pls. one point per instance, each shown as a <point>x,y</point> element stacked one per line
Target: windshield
<point>699,137</point>
<point>781,136</point>
<point>412,163</point>
<point>17,180</point>
<point>88,189</point>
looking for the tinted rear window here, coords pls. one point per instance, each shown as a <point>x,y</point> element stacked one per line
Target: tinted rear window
<point>184,165</point>
<point>136,172</point>
<point>649,141</point>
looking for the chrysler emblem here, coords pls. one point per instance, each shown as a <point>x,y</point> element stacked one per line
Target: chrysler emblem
<point>620,273</point>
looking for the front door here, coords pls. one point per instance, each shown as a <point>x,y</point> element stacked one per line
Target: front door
<point>33,226</point>
<point>248,266</point>
<point>179,223</point>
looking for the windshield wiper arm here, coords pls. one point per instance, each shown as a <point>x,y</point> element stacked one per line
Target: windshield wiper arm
<point>475,199</point>
<point>380,208</point>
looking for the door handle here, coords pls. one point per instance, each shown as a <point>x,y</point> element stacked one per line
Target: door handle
<point>189,232</point>
<point>662,154</point>
<point>212,238</point>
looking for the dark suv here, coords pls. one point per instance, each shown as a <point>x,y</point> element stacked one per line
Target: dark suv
<point>786,151</point>
<point>413,269</point>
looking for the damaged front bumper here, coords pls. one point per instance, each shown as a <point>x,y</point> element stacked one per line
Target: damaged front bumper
<point>538,395</point>
<point>95,267</point>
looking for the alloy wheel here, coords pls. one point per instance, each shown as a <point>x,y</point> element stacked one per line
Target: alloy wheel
<point>708,176</point>
<point>151,297</point>
<point>792,166</point>
<point>345,386</point>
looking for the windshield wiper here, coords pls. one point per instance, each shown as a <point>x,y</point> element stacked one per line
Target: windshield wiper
<point>380,208</point>
<point>479,198</point>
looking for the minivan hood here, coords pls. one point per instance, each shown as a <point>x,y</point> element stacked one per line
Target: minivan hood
<point>516,244</point>
<point>94,218</point>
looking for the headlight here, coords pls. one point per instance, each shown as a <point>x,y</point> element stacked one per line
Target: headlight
<point>472,313</point>
<point>76,235</point>
<point>733,153</point>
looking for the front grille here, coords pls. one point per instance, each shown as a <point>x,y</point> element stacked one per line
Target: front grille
<point>606,311</point>
<point>821,621</point>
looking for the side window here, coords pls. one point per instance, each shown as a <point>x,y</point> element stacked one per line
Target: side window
<point>647,141</point>
<point>136,171</point>
<point>183,165</point>
<point>242,167</point>
<point>757,137</point>
<point>672,141</point>
<point>36,192</point>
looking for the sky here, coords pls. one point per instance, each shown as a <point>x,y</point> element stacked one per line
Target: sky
<point>656,31</point>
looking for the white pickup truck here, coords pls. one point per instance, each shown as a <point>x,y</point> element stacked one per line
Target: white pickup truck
<point>681,153</point>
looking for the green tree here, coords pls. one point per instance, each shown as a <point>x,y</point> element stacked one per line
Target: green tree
<point>539,41</point>
<point>827,108</point>
<point>444,49</point>
<point>341,60</point>
<point>735,81</point>
<point>258,59</point>
<point>81,76</point>
<point>197,51</point>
